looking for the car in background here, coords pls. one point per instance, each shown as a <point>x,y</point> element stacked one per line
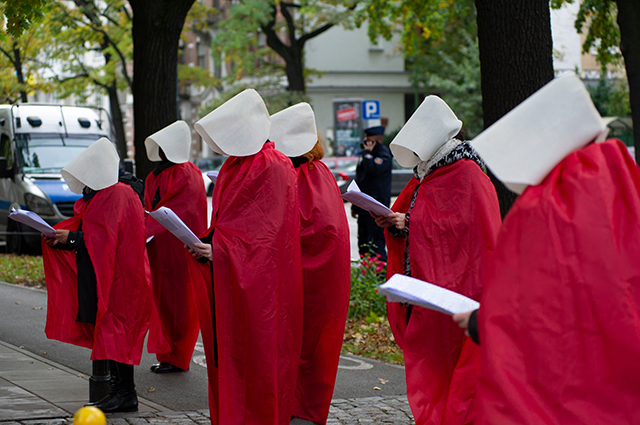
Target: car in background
<point>207,165</point>
<point>344,170</point>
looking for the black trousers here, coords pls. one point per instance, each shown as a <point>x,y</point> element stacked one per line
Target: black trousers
<point>370,237</point>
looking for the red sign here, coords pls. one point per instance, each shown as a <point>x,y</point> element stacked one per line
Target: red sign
<point>347,114</point>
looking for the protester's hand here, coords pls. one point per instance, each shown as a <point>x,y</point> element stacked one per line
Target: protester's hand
<point>381,220</point>
<point>395,219</point>
<point>61,235</point>
<point>202,250</point>
<point>369,145</point>
<point>462,319</point>
<point>49,240</point>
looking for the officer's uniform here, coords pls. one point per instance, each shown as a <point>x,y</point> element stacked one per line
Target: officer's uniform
<point>373,176</point>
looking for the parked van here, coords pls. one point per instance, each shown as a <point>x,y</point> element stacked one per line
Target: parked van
<point>36,142</point>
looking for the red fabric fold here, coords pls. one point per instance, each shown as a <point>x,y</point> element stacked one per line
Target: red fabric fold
<point>113,227</point>
<point>560,317</point>
<point>453,224</point>
<point>326,268</point>
<point>257,281</point>
<point>174,329</point>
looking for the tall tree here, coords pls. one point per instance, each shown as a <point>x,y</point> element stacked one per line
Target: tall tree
<point>612,29</point>
<point>628,21</point>
<point>20,65</point>
<point>516,59</point>
<point>439,42</point>
<point>266,39</point>
<point>105,28</point>
<point>157,25</point>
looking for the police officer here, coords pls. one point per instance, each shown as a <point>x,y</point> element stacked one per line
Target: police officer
<point>373,176</point>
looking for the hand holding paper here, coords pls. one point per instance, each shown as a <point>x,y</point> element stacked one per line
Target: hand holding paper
<point>33,220</point>
<point>167,218</point>
<point>406,289</point>
<point>364,201</point>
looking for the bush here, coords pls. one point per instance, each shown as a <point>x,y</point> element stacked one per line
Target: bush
<point>366,276</point>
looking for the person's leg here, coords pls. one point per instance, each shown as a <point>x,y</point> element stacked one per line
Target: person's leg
<point>377,238</point>
<point>363,235</point>
<point>125,399</point>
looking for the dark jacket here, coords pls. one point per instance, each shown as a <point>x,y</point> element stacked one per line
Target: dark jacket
<point>373,174</point>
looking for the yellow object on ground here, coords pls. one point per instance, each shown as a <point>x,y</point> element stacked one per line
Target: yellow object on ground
<point>89,415</point>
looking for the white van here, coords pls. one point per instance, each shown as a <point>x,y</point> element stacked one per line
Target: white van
<point>36,142</point>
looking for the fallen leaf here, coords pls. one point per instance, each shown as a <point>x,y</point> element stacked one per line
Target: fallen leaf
<point>383,381</point>
<point>151,389</point>
<point>18,302</point>
<point>37,308</point>
<point>377,388</point>
<point>22,346</point>
<point>80,375</point>
<point>45,353</point>
<point>50,368</point>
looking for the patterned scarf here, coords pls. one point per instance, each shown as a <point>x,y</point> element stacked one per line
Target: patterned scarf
<point>452,151</point>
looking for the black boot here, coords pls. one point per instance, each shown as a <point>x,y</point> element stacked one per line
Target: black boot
<point>124,401</point>
<point>125,398</point>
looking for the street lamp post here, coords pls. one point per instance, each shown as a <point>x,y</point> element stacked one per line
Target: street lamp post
<point>100,381</point>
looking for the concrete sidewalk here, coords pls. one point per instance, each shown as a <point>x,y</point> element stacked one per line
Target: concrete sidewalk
<point>37,391</point>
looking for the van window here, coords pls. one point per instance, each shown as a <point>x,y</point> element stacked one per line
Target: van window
<point>5,150</point>
<point>46,154</point>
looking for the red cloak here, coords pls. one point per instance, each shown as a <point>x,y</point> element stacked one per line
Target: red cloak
<point>257,297</point>
<point>113,227</point>
<point>326,271</point>
<point>560,319</point>
<point>174,330</point>
<point>454,222</point>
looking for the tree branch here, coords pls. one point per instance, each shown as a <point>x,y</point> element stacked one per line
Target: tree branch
<point>315,33</point>
<point>8,55</point>
<point>291,26</point>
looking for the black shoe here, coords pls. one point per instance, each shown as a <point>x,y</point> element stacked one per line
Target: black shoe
<point>124,401</point>
<point>103,400</point>
<point>165,368</point>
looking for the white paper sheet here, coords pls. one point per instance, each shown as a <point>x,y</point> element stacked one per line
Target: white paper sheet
<point>33,220</point>
<point>364,201</point>
<point>213,175</point>
<point>406,289</point>
<point>167,218</point>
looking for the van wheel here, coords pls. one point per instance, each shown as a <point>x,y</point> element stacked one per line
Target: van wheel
<point>15,241</point>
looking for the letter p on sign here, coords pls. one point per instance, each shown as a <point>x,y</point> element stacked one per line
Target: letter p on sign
<point>371,109</point>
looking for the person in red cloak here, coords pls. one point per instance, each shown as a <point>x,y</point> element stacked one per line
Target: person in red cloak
<point>252,255</point>
<point>98,296</point>
<point>560,317</point>
<point>326,263</point>
<point>444,222</point>
<point>176,183</point>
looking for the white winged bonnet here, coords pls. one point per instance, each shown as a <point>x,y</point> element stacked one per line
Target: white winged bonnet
<point>96,167</point>
<point>432,125</point>
<point>174,140</point>
<point>527,143</point>
<point>238,127</point>
<point>293,130</point>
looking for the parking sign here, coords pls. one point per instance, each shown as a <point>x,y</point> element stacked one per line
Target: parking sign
<point>371,109</point>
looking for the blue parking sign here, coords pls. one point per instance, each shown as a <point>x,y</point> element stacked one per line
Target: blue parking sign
<point>371,109</point>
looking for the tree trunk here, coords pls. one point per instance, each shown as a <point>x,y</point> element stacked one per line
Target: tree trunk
<point>516,48</point>
<point>156,31</point>
<point>295,70</point>
<point>116,119</point>
<point>17,61</point>
<point>628,21</point>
